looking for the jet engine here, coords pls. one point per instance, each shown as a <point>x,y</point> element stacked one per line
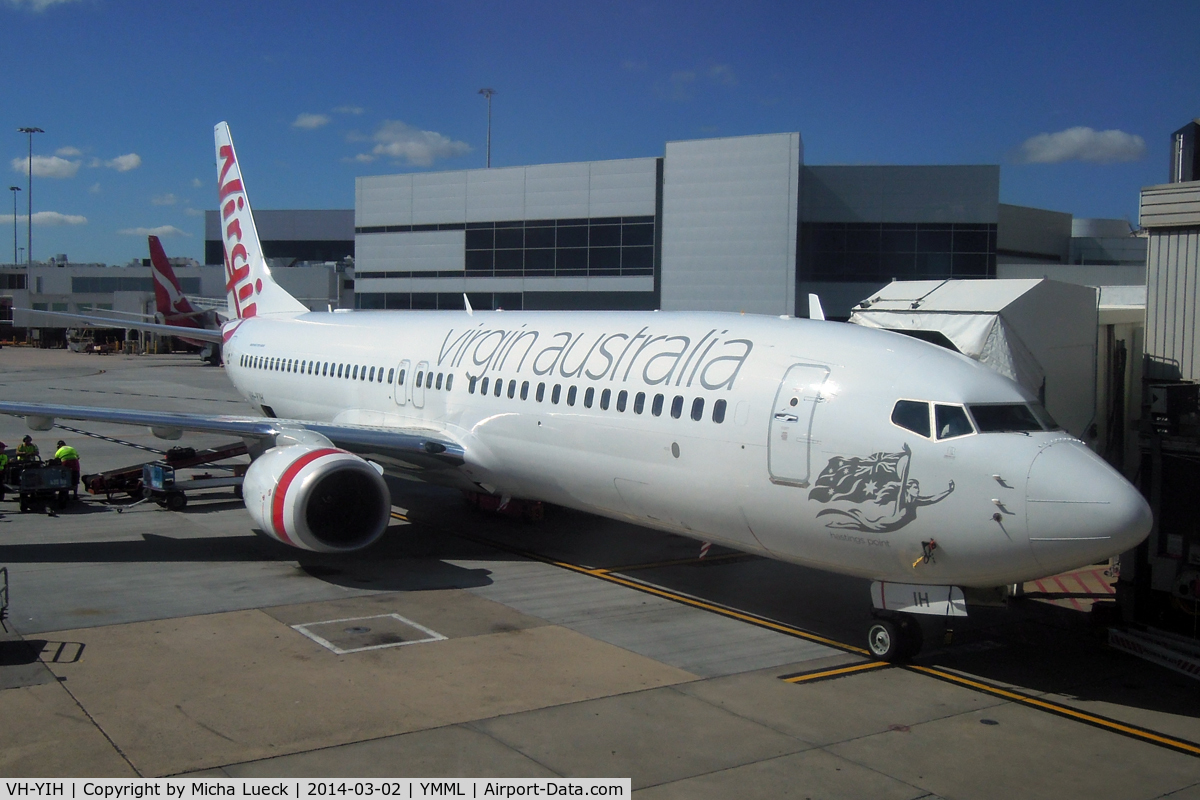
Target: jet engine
<point>317,498</point>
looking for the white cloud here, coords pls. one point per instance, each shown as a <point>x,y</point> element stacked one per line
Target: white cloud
<point>37,5</point>
<point>47,218</point>
<point>193,212</point>
<point>95,188</point>
<point>311,121</point>
<point>417,147</point>
<point>68,152</point>
<point>356,110</point>
<point>124,163</point>
<point>722,74</point>
<point>1082,144</point>
<point>167,199</point>
<point>161,230</point>
<point>197,183</point>
<point>46,167</point>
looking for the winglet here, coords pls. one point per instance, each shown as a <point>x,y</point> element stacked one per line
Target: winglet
<point>814,308</point>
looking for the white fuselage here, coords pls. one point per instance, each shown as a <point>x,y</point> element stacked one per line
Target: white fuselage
<point>773,436</point>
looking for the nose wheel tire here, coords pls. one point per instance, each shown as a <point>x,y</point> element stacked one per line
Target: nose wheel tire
<point>894,640</point>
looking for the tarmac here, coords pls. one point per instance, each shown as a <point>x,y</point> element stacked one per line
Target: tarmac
<point>159,643</point>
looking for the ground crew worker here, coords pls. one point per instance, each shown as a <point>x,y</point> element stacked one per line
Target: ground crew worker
<point>69,457</point>
<point>27,450</point>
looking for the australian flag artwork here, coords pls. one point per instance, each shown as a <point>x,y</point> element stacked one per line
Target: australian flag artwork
<point>877,490</point>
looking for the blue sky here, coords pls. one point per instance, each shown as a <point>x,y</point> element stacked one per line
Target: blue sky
<point>1075,100</point>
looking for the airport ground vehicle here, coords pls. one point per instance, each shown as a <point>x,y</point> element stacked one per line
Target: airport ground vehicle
<point>41,485</point>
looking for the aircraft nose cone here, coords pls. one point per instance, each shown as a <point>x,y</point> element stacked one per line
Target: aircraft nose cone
<point>1079,509</point>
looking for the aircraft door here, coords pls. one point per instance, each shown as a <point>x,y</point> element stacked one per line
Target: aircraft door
<point>403,379</point>
<point>789,449</point>
<point>418,390</point>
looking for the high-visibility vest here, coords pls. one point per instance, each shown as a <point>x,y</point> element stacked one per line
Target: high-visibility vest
<point>25,451</point>
<point>67,454</point>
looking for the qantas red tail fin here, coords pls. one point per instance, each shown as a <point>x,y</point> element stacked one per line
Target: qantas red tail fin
<point>169,299</point>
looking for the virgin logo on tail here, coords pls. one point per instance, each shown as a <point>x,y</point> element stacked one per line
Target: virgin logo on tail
<point>234,209</point>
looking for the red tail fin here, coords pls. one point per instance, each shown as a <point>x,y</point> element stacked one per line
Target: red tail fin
<point>168,296</point>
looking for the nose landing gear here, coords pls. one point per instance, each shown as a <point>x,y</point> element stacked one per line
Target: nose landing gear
<point>894,639</point>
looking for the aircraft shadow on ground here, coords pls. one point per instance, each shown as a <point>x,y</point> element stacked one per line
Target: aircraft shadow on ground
<point>1036,647</point>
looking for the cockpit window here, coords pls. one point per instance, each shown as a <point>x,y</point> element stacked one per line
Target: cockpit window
<point>952,421</point>
<point>1043,416</point>
<point>912,415</point>
<point>1006,417</point>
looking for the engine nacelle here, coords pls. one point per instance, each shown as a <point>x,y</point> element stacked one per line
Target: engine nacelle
<point>317,498</point>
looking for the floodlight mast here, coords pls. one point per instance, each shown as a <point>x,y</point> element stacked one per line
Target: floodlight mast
<point>14,190</point>
<point>488,94</point>
<point>29,193</point>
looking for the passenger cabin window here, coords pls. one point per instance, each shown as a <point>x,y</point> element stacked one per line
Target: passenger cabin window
<point>605,398</point>
<point>499,387</point>
<point>556,393</point>
<point>512,389</point>
<point>656,408</point>
<point>588,397</point>
<point>438,383</point>
<point>391,374</point>
<point>639,403</point>
<point>622,397</point>
<point>525,390</point>
<point>541,392</point>
<point>912,415</point>
<point>952,421</point>
<point>698,409</point>
<point>719,411</point>
<point>449,380</point>
<point>571,392</point>
<point>677,407</point>
<point>483,386</point>
<point>429,381</point>
<point>1007,417</point>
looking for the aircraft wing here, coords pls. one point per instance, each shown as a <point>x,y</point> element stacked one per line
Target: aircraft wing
<point>400,449</point>
<point>108,322</point>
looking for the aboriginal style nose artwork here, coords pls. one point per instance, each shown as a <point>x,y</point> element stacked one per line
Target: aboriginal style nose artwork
<point>878,493</point>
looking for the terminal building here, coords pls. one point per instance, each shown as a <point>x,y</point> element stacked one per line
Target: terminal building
<point>735,224</point>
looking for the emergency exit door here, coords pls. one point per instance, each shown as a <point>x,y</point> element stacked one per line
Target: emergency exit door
<point>792,436</point>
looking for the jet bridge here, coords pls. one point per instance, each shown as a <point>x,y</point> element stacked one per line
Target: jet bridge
<point>1040,333</point>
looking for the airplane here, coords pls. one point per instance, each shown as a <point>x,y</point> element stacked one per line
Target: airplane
<point>858,451</point>
<point>173,311</point>
<point>173,307</point>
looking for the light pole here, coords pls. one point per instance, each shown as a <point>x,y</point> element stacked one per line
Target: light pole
<point>29,192</point>
<point>14,190</point>
<point>488,94</point>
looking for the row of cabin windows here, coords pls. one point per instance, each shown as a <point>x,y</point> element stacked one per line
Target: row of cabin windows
<point>327,369</point>
<point>499,388</point>
<point>426,378</point>
<point>354,372</point>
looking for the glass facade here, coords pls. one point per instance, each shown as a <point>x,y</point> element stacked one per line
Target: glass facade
<point>881,252</point>
<point>97,285</point>
<point>618,246</point>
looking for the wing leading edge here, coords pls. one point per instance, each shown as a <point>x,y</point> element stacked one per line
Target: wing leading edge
<point>401,449</point>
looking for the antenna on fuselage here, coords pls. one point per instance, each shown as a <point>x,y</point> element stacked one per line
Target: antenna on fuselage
<point>814,308</point>
<point>467,305</point>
